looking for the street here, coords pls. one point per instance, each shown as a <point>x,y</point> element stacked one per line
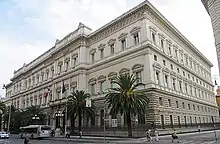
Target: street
<point>193,138</point>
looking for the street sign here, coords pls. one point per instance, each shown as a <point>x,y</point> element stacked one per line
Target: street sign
<point>114,123</point>
<point>88,103</point>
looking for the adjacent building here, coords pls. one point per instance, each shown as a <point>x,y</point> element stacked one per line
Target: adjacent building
<point>213,9</point>
<point>177,76</point>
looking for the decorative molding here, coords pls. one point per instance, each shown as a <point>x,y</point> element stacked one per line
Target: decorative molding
<point>74,55</point>
<point>92,51</point>
<point>101,46</point>
<point>122,36</point>
<point>179,76</point>
<point>157,65</point>
<point>162,36</point>
<point>124,71</point>
<point>67,59</point>
<point>73,84</point>
<point>92,81</point>
<point>137,67</point>
<point>169,41</point>
<point>153,29</point>
<point>112,75</point>
<point>166,70</point>
<point>102,78</point>
<point>173,73</point>
<point>60,63</point>
<point>135,30</point>
<point>47,70</point>
<point>111,41</point>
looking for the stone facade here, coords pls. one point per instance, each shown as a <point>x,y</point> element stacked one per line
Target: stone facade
<point>176,75</point>
<point>213,9</point>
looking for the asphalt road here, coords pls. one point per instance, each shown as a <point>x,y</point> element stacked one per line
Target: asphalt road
<point>195,138</point>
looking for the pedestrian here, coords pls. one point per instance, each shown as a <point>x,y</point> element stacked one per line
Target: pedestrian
<point>174,136</point>
<point>148,135</point>
<point>156,135</point>
<point>80,134</point>
<point>199,128</point>
<point>26,140</point>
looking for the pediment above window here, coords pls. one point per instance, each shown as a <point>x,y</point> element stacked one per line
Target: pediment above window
<point>92,51</point>
<point>75,55</point>
<point>101,78</point>
<point>179,76</point>
<point>135,30</point>
<point>190,82</point>
<point>175,46</point>
<point>185,79</point>
<point>66,86</point>
<point>172,73</point>
<point>122,36</point>
<point>124,71</point>
<point>42,73</point>
<point>111,41</point>
<point>112,75</point>
<point>165,69</point>
<point>60,63</point>
<point>137,67</point>
<point>47,70</point>
<point>162,36</point>
<point>58,89</point>
<point>92,81</point>
<point>101,46</point>
<point>153,29</point>
<point>67,59</point>
<point>73,84</point>
<point>157,65</point>
<point>169,41</point>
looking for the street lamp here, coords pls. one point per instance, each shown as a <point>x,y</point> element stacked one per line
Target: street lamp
<point>35,117</point>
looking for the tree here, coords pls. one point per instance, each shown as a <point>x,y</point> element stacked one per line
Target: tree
<point>77,106</point>
<point>30,112</point>
<point>127,99</point>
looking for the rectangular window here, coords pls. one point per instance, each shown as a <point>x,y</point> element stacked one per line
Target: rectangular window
<point>136,39</point>
<point>60,68</point>
<point>138,77</point>
<point>191,90</point>
<point>186,89</point>
<point>180,86</point>
<point>155,57</point>
<point>161,44</point>
<point>92,88</point>
<point>157,78</point>
<point>93,57</point>
<point>164,62</point>
<point>166,80</point>
<point>174,83</point>
<point>74,62</point>
<point>112,84</point>
<point>160,101</point>
<point>102,53</point>
<point>101,86</point>
<point>178,70</point>
<point>67,65</point>
<point>112,48</point>
<point>194,107</point>
<point>177,104</point>
<point>171,66</point>
<point>181,56</point>
<point>175,53</point>
<point>153,37</point>
<point>123,44</point>
<point>183,104</point>
<point>189,106</point>
<point>169,102</point>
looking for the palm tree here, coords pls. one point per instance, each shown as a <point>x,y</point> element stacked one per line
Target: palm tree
<point>30,112</point>
<point>77,106</point>
<point>126,99</point>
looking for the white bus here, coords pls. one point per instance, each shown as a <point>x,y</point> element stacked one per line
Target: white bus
<point>35,131</point>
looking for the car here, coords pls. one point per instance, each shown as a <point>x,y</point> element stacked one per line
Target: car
<point>4,135</point>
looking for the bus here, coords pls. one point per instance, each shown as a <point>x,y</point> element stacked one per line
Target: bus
<point>35,131</point>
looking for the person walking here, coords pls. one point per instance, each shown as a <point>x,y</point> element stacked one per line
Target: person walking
<point>174,136</point>
<point>148,136</point>
<point>156,135</point>
<point>199,128</point>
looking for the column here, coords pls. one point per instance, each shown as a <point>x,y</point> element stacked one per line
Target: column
<point>82,57</point>
<point>143,34</point>
<point>82,82</point>
<point>148,69</point>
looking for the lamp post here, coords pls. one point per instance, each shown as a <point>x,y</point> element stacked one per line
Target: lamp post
<point>35,117</point>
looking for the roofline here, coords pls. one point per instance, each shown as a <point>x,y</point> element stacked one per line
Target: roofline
<point>180,35</point>
<point>205,3</point>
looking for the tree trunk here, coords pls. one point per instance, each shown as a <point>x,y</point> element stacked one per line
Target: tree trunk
<point>128,115</point>
<point>80,122</point>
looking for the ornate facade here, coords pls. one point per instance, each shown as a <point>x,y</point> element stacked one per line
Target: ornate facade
<point>176,75</point>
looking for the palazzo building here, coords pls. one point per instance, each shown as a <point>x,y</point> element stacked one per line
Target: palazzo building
<point>177,76</point>
<point>213,9</point>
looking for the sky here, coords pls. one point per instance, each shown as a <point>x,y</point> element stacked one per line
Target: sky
<point>30,27</point>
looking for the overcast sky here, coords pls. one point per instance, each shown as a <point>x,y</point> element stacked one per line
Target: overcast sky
<point>30,27</point>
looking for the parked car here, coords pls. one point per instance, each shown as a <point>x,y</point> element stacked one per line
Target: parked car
<point>4,135</point>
